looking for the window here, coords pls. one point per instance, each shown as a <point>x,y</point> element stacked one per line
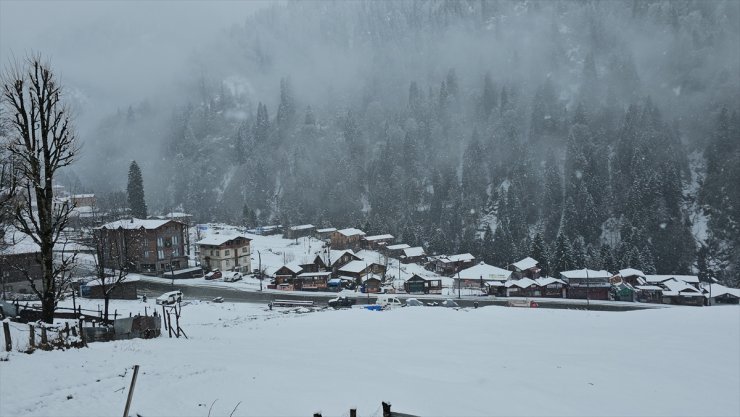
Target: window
<point>174,240</point>
<point>160,242</point>
<point>176,252</point>
<point>245,249</point>
<point>226,252</point>
<point>211,252</point>
<point>146,254</point>
<point>160,254</point>
<point>228,263</point>
<point>217,253</point>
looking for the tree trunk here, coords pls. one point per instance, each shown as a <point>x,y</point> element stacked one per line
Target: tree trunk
<point>106,299</point>
<point>48,305</point>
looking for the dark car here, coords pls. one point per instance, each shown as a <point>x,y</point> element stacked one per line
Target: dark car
<point>342,302</point>
<point>215,274</point>
<point>413,302</point>
<point>449,303</point>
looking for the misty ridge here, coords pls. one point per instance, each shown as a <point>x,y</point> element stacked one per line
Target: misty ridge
<point>601,132</point>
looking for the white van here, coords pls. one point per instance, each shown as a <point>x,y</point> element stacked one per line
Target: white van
<point>388,301</point>
<point>171,297</point>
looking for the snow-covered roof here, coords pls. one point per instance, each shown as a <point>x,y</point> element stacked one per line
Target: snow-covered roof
<point>675,286</point>
<point>314,274</point>
<point>485,271</point>
<point>548,280</point>
<point>219,239</point>
<point>302,227</point>
<point>334,255</point>
<point>354,267</point>
<point>525,263</point>
<point>462,257</point>
<point>648,288</point>
<point>18,243</point>
<point>660,278</point>
<point>327,230</point>
<point>378,237</point>
<point>413,252</point>
<point>629,272</point>
<point>293,267</point>
<point>397,246</point>
<point>109,281</point>
<point>425,278</point>
<point>521,283</point>
<point>716,290</point>
<point>585,273</point>
<point>177,214</point>
<point>351,232</point>
<point>134,223</point>
<point>83,195</point>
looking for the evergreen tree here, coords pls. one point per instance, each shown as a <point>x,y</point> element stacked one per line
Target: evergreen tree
<point>562,257</point>
<point>607,259</point>
<point>538,252</point>
<point>286,108</point>
<point>135,191</point>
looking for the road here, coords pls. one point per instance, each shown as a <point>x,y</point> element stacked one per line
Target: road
<point>154,289</point>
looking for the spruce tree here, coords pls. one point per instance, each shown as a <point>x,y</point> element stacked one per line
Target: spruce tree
<point>562,258</point>
<point>135,190</point>
<point>538,251</point>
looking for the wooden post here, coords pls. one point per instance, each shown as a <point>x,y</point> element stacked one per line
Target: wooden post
<point>31,335</point>
<point>82,331</point>
<point>66,328</point>
<point>115,314</point>
<point>177,323</point>
<point>145,312</point>
<point>6,331</point>
<point>74,331</point>
<point>316,414</point>
<point>164,316</point>
<point>131,391</point>
<point>44,339</point>
<point>169,327</point>
<point>352,412</point>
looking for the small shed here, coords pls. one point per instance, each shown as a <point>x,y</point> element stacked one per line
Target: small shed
<point>648,294</point>
<point>125,290</point>
<point>526,268</point>
<point>371,284</point>
<point>294,232</point>
<point>719,294</point>
<point>377,242</point>
<point>423,285</point>
<point>312,281</point>
<point>413,255</point>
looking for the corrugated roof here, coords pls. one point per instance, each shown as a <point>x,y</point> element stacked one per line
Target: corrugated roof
<point>378,237</point>
<point>525,263</point>
<point>351,232</point>
<point>219,239</point>
<point>584,273</point>
<point>397,246</point>
<point>413,252</point>
<point>134,223</point>
<point>485,271</point>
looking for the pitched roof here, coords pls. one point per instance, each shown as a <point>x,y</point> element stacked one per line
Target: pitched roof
<point>378,237</point>
<point>17,243</point>
<point>219,239</point>
<point>302,227</point>
<point>525,263</point>
<point>629,272</point>
<point>397,246</point>
<point>134,223</point>
<point>462,257</point>
<point>292,267</point>
<point>585,273</point>
<point>486,272</point>
<point>413,252</point>
<point>660,278</point>
<point>548,280</point>
<point>327,230</point>
<point>351,232</point>
<point>521,283</point>
<point>716,290</point>
<point>354,267</point>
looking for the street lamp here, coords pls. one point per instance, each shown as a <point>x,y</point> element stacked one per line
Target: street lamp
<point>259,268</point>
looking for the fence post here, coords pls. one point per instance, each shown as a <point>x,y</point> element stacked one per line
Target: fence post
<point>66,328</point>
<point>164,316</point>
<point>352,412</point>
<point>386,409</point>
<point>82,331</point>
<point>44,339</point>
<point>31,335</point>
<point>6,331</point>
<point>177,323</point>
<point>169,327</point>
<point>131,391</point>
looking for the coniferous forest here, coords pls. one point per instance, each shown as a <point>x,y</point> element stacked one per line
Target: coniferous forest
<point>600,134</point>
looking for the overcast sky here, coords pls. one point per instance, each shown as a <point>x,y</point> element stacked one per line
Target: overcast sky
<point>113,53</point>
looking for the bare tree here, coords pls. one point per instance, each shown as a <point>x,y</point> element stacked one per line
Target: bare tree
<point>111,265</point>
<point>41,140</point>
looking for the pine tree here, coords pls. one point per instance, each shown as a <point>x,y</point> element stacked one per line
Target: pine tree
<point>135,190</point>
<point>562,257</point>
<point>538,252</point>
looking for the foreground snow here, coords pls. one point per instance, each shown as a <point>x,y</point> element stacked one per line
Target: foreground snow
<point>426,361</point>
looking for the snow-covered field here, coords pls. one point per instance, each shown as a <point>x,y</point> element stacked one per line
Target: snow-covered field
<point>426,361</point>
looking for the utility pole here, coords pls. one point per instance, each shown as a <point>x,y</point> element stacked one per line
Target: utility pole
<point>588,288</point>
<point>459,284</point>
<point>259,268</point>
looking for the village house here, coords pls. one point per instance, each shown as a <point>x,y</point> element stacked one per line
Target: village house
<point>19,254</point>
<point>83,200</point>
<point>147,246</point>
<point>294,232</point>
<point>450,265</point>
<point>551,287</point>
<point>330,260</point>
<point>483,276</point>
<point>225,252</point>
<point>371,284</point>
<point>660,279</point>
<point>376,242</point>
<point>413,255</point>
<point>325,233</point>
<point>395,251</point>
<point>360,269</point>
<point>523,287</point>
<point>423,285</point>
<point>631,276</point>
<point>648,294</point>
<point>526,268</point>
<point>682,293</point>
<point>347,239</point>
<point>312,281</point>
<point>181,217</point>
<point>124,290</point>
<point>285,276</point>
<point>719,294</point>
<point>587,284</point>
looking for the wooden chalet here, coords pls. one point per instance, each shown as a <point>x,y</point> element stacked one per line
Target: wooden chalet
<point>285,276</point>
<point>347,239</point>
<point>649,294</point>
<point>551,287</point>
<point>395,251</point>
<point>423,285</point>
<point>361,269</point>
<point>719,294</point>
<point>476,276</point>
<point>18,253</point>
<point>312,281</point>
<point>325,233</point>
<point>631,276</point>
<point>682,293</point>
<point>413,255</point>
<point>587,284</point>
<point>371,284</point>
<point>450,265</point>
<point>376,242</point>
<point>331,260</point>
<point>526,268</point>
<point>523,287</point>
<point>294,232</point>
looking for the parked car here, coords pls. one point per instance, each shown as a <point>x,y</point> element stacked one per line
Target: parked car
<point>449,303</point>
<point>342,302</point>
<point>413,302</point>
<point>388,301</point>
<point>232,276</point>
<point>215,274</point>
<point>218,300</point>
<point>171,297</point>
